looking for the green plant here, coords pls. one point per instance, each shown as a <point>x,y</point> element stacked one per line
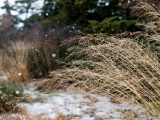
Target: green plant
<point>112,25</point>
<point>10,89</point>
<point>10,94</point>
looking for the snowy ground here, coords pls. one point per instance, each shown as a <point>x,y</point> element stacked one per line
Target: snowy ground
<point>76,106</point>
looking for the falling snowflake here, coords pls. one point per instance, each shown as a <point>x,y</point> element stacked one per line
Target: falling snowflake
<point>19,74</point>
<point>17,92</point>
<point>107,4</point>
<point>53,55</point>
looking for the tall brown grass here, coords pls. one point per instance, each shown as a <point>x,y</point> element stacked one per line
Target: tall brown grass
<point>21,60</point>
<point>14,62</point>
<point>120,68</point>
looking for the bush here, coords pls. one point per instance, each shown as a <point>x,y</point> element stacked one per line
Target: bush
<point>112,25</point>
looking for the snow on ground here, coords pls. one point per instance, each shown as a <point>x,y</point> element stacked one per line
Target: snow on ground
<point>78,106</point>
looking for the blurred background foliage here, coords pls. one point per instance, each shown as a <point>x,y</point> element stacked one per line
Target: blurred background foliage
<point>80,14</point>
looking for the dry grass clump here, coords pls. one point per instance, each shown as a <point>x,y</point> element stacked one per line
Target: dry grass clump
<point>120,68</point>
<point>63,117</point>
<point>145,40</point>
<point>144,10</point>
<point>21,60</point>
<point>3,107</point>
<point>14,61</point>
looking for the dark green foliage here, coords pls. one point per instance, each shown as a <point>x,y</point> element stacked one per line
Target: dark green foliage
<point>83,10</point>
<point>10,89</point>
<point>10,94</point>
<point>48,9</point>
<point>70,12</point>
<point>112,25</point>
<point>22,7</point>
<point>77,13</point>
<point>37,63</point>
<point>90,15</point>
<point>7,7</point>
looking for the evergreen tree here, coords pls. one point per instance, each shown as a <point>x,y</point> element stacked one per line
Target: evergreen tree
<point>84,10</point>
<point>81,12</point>
<point>24,7</point>
<point>7,7</point>
<point>48,8</point>
<point>23,10</point>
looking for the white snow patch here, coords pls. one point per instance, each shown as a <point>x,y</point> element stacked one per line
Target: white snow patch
<point>3,78</point>
<point>78,106</point>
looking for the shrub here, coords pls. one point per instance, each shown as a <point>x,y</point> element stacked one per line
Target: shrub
<point>112,25</point>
